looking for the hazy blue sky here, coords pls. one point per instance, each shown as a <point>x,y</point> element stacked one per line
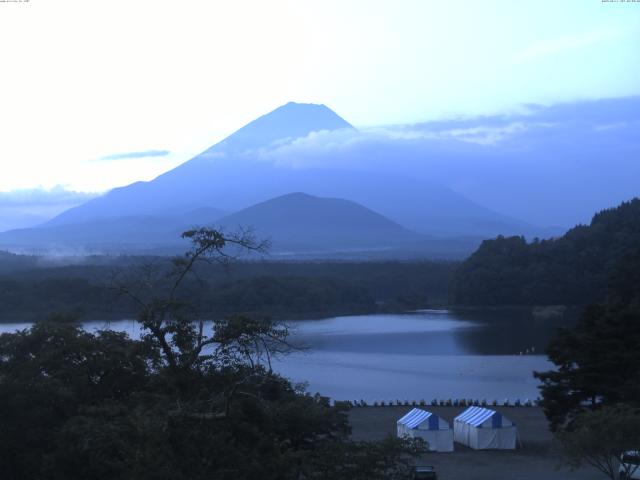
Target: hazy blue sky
<point>88,85</point>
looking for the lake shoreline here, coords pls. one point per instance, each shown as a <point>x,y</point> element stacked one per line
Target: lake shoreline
<point>537,312</point>
<point>6,318</point>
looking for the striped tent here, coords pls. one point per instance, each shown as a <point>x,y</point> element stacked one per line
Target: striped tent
<point>428,426</point>
<point>481,428</point>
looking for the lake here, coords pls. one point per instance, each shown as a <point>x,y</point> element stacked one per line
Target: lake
<point>481,354</point>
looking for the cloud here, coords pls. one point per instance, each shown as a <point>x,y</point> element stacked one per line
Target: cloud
<point>565,43</point>
<point>478,133</point>
<point>610,126</point>
<point>565,126</point>
<point>142,154</point>
<point>34,197</point>
<point>397,138</point>
<point>30,207</point>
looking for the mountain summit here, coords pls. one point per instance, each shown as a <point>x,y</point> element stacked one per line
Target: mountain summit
<point>290,121</point>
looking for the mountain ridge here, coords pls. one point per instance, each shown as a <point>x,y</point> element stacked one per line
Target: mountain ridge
<point>232,175</point>
<point>295,222</point>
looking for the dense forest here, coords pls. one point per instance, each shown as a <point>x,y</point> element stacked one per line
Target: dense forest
<point>572,269</point>
<point>33,287</point>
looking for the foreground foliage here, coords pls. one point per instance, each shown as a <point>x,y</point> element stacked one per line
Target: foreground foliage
<point>597,361</point>
<point>184,402</point>
<point>601,438</point>
<point>592,398</point>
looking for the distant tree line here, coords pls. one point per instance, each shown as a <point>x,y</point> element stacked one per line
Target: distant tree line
<point>573,269</point>
<point>282,289</point>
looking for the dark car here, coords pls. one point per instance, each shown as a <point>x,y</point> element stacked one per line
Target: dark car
<point>425,472</point>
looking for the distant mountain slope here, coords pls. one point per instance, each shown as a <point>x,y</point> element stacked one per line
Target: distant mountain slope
<point>226,175</point>
<point>302,222</point>
<point>572,269</point>
<point>134,232</point>
<point>295,223</point>
<point>234,174</point>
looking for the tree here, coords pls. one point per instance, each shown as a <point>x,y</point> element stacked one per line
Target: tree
<point>597,361</point>
<point>592,398</point>
<point>248,340</point>
<point>601,438</point>
<point>185,402</point>
<point>171,322</point>
<point>48,374</point>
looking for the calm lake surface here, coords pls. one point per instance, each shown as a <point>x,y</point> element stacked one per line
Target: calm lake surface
<point>422,355</point>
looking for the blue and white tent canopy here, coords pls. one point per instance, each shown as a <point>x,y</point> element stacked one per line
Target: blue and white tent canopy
<point>480,417</point>
<point>482,428</point>
<point>417,418</point>
<point>431,428</point>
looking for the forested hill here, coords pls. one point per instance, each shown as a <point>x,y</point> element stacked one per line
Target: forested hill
<point>573,269</point>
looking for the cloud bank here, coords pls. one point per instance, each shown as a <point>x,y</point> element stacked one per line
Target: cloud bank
<point>57,195</point>
<point>570,126</point>
<point>130,155</point>
<point>549,165</point>
<point>29,207</point>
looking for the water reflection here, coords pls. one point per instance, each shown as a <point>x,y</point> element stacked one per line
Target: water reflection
<point>427,354</point>
<point>423,355</point>
<point>431,332</point>
<point>510,331</point>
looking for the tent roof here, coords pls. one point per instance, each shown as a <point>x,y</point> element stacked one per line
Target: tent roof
<point>414,418</point>
<point>475,416</point>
